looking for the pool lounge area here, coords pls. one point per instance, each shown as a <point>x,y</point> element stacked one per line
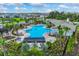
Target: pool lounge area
<point>37,33</point>
<point>40,33</point>
<point>29,40</point>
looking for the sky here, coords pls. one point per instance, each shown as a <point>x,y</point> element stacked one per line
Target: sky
<point>38,7</point>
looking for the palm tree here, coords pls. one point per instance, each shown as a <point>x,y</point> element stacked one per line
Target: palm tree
<point>2,29</point>
<point>24,48</point>
<point>60,32</point>
<point>2,45</point>
<point>54,49</point>
<point>66,29</point>
<point>35,52</point>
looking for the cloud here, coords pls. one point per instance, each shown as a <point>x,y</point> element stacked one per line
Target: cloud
<point>63,6</point>
<point>3,9</point>
<point>75,7</point>
<point>49,10</point>
<point>38,5</point>
<point>44,10</point>
<point>57,8</point>
<point>20,8</point>
<point>16,8</point>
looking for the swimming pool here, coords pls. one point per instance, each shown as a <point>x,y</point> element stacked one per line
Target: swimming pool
<point>38,31</point>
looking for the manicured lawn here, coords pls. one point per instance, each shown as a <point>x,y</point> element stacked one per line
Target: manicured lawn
<point>77,28</point>
<point>70,46</point>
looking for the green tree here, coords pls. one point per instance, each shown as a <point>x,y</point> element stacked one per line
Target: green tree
<point>2,46</point>
<point>54,49</point>
<point>35,52</point>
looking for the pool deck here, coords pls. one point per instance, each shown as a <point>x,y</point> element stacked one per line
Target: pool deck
<point>29,39</point>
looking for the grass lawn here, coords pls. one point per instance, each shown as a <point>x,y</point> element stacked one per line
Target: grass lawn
<point>78,28</point>
<point>70,46</point>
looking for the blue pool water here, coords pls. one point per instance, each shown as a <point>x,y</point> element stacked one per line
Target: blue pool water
<point>38,31</point>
